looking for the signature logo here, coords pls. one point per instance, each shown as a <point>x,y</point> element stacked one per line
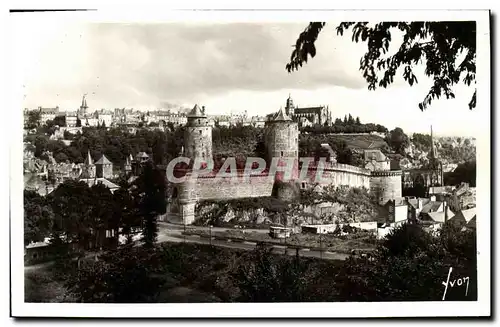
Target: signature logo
<point>456,282</point>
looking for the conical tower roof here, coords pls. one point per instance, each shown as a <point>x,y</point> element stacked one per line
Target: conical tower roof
<point>281,116</point>
<point>103,161</point>
<point>196,112</point>
<point>88,160</point>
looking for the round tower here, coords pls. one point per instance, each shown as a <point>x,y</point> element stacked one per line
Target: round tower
<point>386,185</point>
<point>282,144</point>
<point>198,135</point>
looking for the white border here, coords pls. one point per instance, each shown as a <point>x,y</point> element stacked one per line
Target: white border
<point>394,309</point>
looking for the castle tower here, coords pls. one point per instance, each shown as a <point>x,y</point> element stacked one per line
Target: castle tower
<point>89,168</point>
<point>198,135</point>
<point>290,109</point>
<point>282,143</point>
<point>83,108</point>
<point>104,168</point>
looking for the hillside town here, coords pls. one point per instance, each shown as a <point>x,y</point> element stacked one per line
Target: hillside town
<point>433,205</point>
<point>289,203</point>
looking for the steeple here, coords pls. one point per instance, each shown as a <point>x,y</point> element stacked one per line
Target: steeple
<point>289,109</point>
<point>84,102</point>
<point>433,150</point>
<point>88,161</point>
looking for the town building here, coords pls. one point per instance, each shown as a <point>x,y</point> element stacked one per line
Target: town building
<point>308,116</point>
<point>431,174</point>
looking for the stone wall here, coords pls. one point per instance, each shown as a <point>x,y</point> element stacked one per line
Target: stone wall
<point>386,185</point>
<point>338,174</point>
<point>198,139</point>
<point>210,188</point>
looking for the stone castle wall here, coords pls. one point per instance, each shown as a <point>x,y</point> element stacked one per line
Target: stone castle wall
<point>339,175</point>
<point>225,188</point>
<point>386,185</point>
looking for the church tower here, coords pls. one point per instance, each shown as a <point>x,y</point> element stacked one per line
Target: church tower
<point>104,168</point>
<point>435,166</point>
<point>83,108</point>
<point>198,135</point>
<point>290,108</point>
<point>89,169</point>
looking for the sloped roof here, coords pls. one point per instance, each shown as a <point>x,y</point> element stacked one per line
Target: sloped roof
<point>431,206</point>
<point>94,181</point>
<point>88,160</point>
<point>374,154</point>
<point>103,161</point>
<point>466,215</point>
<point>196,112</point>
<point>440,216</point>
<point>281,116</point>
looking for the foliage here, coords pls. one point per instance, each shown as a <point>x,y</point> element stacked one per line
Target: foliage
<point>38,217</point>
<point>464,173</point>
<point>126,278</point>
<point>34,117</point>
<point>410,266</point>
<point>437,44</point>
<point>398,140</point>
<point>150,193</point>
<point>422,142</point>
<point>340,126</point>
<point>268,280</point>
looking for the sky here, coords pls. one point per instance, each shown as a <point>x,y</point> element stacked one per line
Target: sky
<point>227,67</point>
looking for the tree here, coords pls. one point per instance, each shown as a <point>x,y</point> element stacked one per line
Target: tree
<point>266,280</point>
<point>151,197</point>
<point>350,120</point>
<point>394,271</point>
<point>398,140</point>
<point>34,117</point>
<point>38,218</point>
<point>358,122</point>
<point>437,44</point>
<point>78,122</point>
<point>60,121</point>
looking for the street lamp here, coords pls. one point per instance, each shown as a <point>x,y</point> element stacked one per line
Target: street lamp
<point>210,234</point>
<point>184,231</point>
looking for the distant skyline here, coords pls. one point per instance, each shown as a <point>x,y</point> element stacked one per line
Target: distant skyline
<point>225,67</point>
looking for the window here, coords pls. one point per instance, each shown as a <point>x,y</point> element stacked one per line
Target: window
<point>282,154</point>
<point>200,131</point>
<point>303,185</point>
<point>198,121</point>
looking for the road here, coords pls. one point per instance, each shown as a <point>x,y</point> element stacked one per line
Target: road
<point>278,249</point>
<point>173,233</point>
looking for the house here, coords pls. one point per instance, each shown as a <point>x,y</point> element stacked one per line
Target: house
<point>398,210</point>
<point>465,218</point>
<point>94,181</point>
<point>463,197</point>
<point>375,160</point>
